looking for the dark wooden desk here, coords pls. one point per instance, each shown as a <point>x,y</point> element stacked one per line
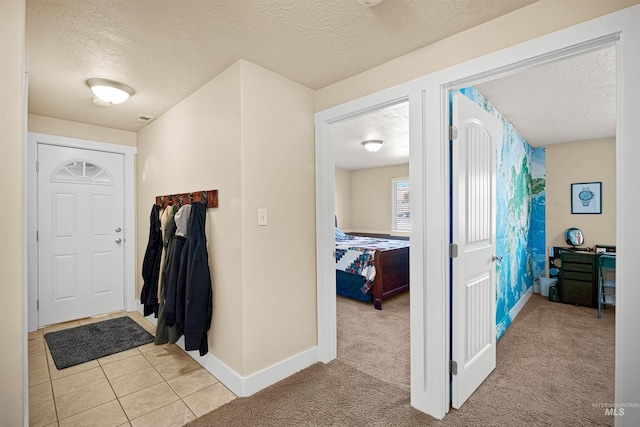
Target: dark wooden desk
<point>579,279</point>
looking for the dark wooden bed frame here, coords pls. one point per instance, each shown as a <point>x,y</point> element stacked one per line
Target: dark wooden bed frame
<point>392,274</point>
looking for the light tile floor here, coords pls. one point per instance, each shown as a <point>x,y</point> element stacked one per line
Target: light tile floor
<point>151,385</point>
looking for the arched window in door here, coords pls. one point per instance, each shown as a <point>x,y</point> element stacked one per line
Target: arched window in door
<point>81,172</point>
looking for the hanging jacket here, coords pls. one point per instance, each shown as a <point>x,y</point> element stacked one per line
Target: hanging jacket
<point>151,265</point>
<point>164,332</point>
<point>164,217</point>
<point>174,299</point>
<point>198,293</point>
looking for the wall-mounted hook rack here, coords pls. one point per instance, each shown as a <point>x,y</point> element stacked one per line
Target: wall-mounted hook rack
<point>208,196</point>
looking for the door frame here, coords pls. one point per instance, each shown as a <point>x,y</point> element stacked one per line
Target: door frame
<point>429,118</point>
<point>129,235</point>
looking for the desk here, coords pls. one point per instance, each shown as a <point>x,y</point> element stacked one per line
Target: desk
<point>579,278</point>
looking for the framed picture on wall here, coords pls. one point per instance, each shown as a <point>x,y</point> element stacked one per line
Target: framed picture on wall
<point>586,198</point>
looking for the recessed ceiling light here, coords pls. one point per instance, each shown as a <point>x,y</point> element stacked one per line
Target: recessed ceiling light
<point>109,92</point>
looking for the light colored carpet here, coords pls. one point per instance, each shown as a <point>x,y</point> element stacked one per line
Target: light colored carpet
<point>376,342</point>
<point>554,363</point>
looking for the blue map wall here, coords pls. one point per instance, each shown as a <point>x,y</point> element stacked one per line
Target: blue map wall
<point>520,222</point>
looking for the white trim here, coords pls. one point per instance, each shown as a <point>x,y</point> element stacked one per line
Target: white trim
<point>515,310</point>
<point>429,179</point>
<point>249,385</point>
<point>564,43</point>
<point>246,386</point>
<point>25,253</point>
<point>325,210</point>
<point>129,214</point>
<point>423,393</point>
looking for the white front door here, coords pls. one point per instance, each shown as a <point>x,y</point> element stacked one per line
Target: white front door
<point>474,271</point>
<point>80,236</point>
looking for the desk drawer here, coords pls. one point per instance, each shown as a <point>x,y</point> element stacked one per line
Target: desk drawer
<point>577,292</point>
<point>573,257</point>
<point>578,275</point>
<point>572,266</point>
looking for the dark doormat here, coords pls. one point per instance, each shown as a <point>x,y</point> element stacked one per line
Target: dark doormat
<point>85,343</point>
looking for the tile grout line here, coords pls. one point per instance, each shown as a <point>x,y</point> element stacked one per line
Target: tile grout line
<point>154,366</point>
<point>114,392</point>
<point>167,382</point>
<point>53,395</point>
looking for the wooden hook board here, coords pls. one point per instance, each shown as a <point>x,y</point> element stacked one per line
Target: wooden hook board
<point>196,196</point>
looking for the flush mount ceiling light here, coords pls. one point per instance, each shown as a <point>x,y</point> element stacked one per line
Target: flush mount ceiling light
<point>369,3</point>
<point>372,145</point>
<point>108,92</point>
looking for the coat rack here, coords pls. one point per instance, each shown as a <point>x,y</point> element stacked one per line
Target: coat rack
<point>187,198</point>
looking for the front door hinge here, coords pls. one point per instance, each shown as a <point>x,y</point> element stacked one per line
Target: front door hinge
<point>37,166</point>
<point>37,304</point>
<point>453,250</point>
<point>453,367</point>
<point>37,236</point>
<point>453,133</point>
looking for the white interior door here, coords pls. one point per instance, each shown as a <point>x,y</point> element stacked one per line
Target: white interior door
<point>474,271</point>
<point>80,236</point>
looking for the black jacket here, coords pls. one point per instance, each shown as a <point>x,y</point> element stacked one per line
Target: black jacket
<point>198,293</point>
<point>151,264</point>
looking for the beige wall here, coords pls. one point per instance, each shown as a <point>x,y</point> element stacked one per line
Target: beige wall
<point>197,146</point>
<point>12,119</point>
<point>589,161</point>
<point>249,134</point>
<point>343,199</point>
<point>535,20</point>
<point>364,196</point>
<point>371,198</point>
<point>187,129</point>
<point>66,128</point>
<point>278,173</point>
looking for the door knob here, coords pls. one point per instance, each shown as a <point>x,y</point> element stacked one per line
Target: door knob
<point>496,258</point>
<point>118,240</point>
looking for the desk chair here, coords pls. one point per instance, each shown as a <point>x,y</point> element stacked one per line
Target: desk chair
<point>606,281</point>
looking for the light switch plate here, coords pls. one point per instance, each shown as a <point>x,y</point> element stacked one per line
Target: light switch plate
<point>262,216</point>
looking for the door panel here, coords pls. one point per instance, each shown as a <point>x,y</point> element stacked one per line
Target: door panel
<point>473,275</point>
<point>80,207</point>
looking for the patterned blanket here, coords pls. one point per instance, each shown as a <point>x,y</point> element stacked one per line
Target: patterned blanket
<point>356,255</point>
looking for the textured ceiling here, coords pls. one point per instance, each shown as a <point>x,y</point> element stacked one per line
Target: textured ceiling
<point>565,101</point>
<point>390,124</point>
<point>166,49</point>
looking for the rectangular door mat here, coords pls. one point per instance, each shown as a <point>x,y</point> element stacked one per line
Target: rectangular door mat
<point>82,344</point>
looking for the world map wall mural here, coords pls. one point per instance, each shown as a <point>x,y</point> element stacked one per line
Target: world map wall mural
<point>520,211</point>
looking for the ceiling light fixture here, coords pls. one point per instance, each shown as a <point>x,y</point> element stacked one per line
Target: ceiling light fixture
<point>372,145</point>
<point>369,3</point>
<point>108,92</point>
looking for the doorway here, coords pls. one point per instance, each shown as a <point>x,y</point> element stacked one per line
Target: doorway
<point>429,341</point>
<point>84,169</point>
<point>80,243</point>
<point>372,197</point>
<point>521,189</point>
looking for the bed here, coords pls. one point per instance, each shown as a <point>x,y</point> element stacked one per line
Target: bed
<point>371,269</point>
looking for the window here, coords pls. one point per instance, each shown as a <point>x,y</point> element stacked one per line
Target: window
<point>80,171</point>
<point>401,205</point>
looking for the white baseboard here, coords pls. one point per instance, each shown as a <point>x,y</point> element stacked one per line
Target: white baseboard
<point>523,300</point>
<point>246,386</point>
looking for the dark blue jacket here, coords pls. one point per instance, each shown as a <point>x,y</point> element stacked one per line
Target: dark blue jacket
<point>198,293</point>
